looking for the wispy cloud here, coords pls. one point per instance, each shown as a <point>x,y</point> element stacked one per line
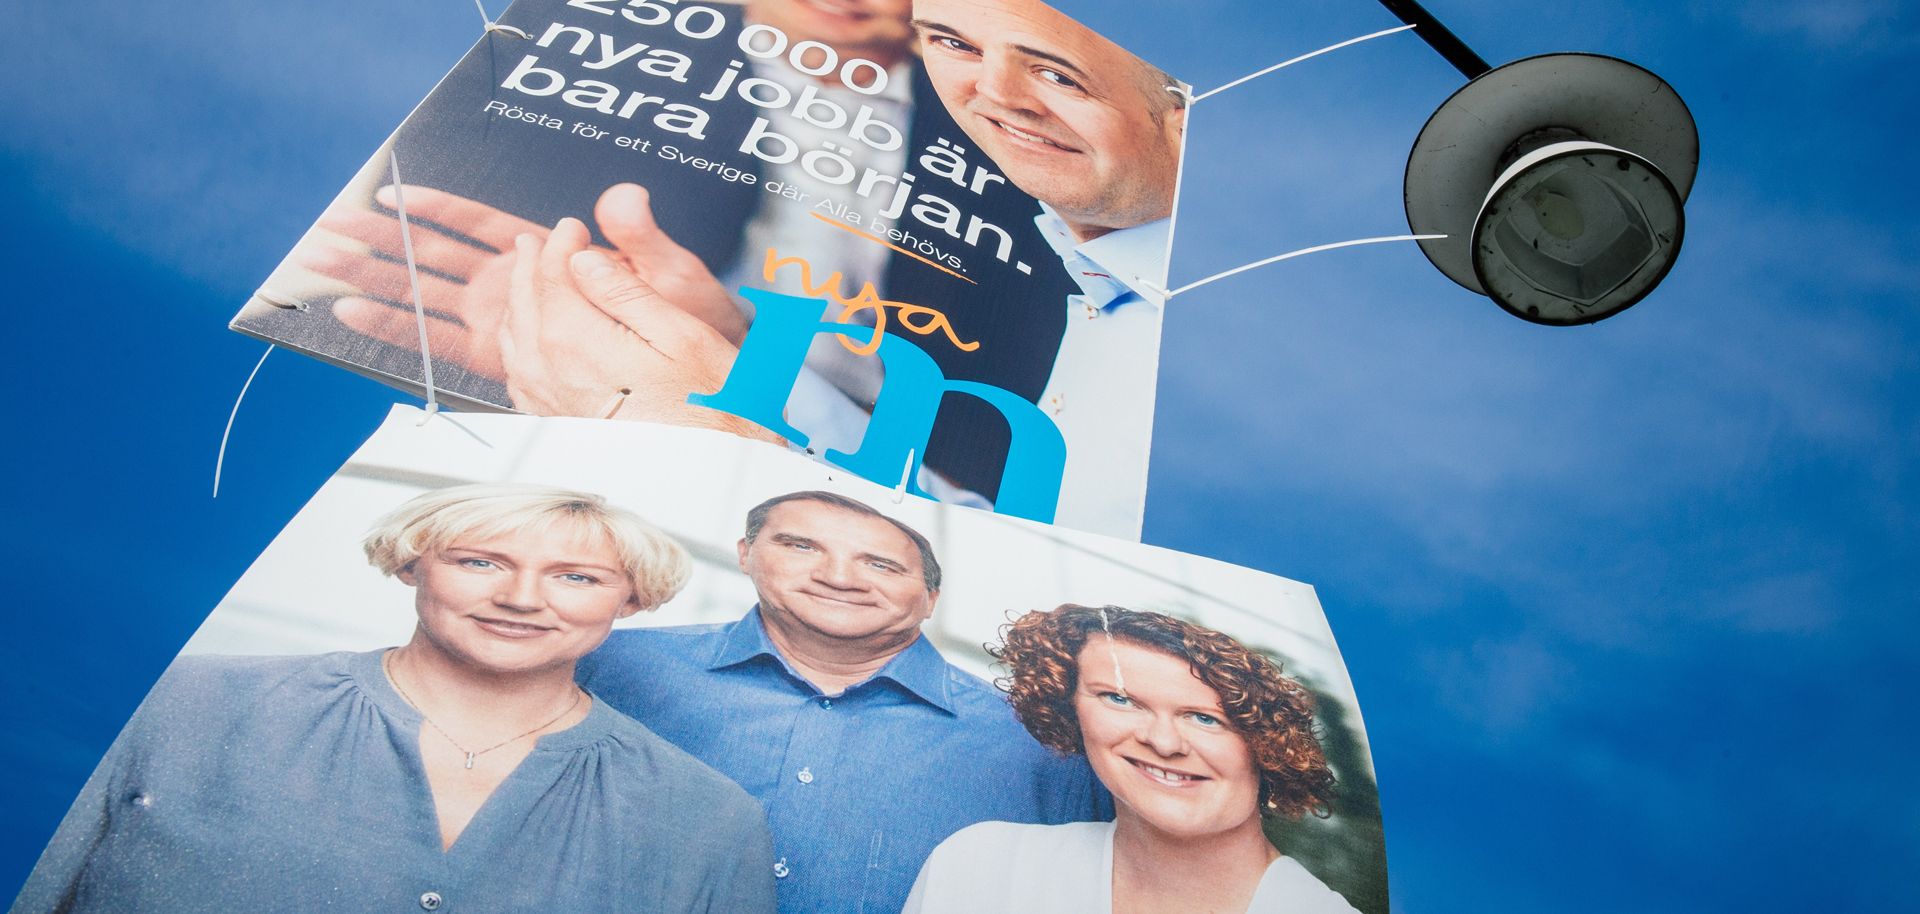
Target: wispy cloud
<point>170,128</point>
<point>1499,686</point>
<point>1829,24</point>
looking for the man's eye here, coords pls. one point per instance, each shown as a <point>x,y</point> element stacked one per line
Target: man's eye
<point>476,563</point>
<point>1116,699</point>
<point>1206,720</point>
<point>1058,78</point>
<point>953,44</point>
<point>574,577</point>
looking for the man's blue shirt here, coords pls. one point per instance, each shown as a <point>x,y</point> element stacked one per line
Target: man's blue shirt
<point>858,787</point>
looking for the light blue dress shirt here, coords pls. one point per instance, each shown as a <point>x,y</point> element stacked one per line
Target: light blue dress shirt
<point>859,787</point>
<point>1102,388</point>
<point>1122,267</point>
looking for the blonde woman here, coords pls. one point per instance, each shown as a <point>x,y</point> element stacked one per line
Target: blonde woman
<point>462,769</point>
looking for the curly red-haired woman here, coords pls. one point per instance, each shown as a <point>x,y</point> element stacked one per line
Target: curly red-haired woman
<point>1198,738</point>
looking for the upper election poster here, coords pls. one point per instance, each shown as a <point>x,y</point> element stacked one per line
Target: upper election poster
<point>924,241</point>
<point>511,664</point>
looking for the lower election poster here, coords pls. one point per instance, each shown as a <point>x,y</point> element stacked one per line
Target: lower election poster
<point>507,663</point>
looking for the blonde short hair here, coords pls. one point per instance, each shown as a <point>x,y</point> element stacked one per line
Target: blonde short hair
<point>656,564</point>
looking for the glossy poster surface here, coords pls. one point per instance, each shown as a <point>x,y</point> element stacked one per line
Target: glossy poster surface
<point>921,241</point>
<point>512,663</point>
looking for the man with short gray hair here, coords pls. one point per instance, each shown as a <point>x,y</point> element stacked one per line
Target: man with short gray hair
<point>827,703</point>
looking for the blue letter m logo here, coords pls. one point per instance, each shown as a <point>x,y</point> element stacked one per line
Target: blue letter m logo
<point>770,361</point>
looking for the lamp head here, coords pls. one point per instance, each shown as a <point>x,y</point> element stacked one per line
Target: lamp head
<point>1559,182</point>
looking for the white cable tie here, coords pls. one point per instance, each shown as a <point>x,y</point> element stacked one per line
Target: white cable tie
<point>614,402</point>
<point>1173,214</point>
<point>492,26</point>
<point>413,279</point>
<point>906,473</point>
<point>446,418</point>
<point>1289,256</point>
<point>220,460</point>
<point>1307,56</point>
<point>280,301</point>
<point>1119,678</point>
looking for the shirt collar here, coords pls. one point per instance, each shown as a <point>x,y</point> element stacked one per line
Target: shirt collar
<point>920,669</point>
<point>1110,268</point>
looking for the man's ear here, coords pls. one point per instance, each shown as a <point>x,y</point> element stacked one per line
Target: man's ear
<point>933,597</point>
<point>406,574</point>
<point>740,549</point>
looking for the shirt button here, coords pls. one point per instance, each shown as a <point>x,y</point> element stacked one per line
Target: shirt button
<point>805,775</point>
<point>781,870</point>
<point>826,702</point>
<point>432,901</point>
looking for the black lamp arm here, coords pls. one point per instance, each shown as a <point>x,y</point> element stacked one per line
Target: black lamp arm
<point>1438,37</point>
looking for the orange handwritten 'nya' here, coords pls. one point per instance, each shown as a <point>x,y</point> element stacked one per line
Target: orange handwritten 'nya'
<point>929,320</point>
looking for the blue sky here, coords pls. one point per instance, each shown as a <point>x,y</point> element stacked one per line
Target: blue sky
<point>1623,604</point>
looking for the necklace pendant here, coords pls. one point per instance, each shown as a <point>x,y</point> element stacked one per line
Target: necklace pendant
<point>469,760</point>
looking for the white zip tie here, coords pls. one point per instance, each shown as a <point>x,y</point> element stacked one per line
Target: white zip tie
<point>447,418</point>
<point>220,461</point>
<point>492,26</point>
<point>413,279</point>
<point>1288,63</point>
<point>1290,255</point>
<point>1173,214</point>
<point>1119,678</point>
<point>614,402</point>
<point>280,301</point>
<point>906,472</point>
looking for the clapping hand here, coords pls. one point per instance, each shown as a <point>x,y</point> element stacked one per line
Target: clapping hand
<point>584,335</point>
<point>465,251</point>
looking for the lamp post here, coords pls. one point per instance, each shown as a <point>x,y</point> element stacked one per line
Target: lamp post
<point>1558,181</point>
<point>1438,37</point>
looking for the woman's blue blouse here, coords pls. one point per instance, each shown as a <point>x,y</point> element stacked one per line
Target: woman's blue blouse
<point>295,784</point>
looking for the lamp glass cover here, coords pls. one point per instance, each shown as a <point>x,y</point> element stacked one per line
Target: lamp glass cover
<point>1576,231</point>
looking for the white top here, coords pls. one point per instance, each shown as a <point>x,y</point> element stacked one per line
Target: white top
<point>1007,868</point>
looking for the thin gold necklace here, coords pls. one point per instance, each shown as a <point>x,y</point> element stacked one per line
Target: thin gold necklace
<point>386,666</point>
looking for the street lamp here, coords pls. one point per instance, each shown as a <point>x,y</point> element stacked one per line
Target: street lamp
<point>1558,181</point>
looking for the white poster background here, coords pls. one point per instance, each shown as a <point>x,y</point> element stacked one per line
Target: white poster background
<point>312,589</point>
